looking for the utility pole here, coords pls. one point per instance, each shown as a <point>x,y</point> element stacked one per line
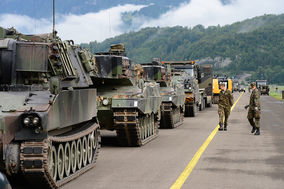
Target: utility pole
<point>53,19</point>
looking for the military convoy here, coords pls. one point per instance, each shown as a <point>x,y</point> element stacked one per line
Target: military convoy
<point>56,97</point>
<point>171,91</point>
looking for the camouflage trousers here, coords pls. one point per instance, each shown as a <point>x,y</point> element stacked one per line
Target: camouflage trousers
<point>253,118</point>
<point>224,113</point>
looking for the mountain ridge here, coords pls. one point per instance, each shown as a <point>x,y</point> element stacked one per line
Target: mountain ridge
<point>253,45</point>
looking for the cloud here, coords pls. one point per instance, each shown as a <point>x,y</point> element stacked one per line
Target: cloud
<point>24,23</point>
<point>95,26</point>
<point>82,28</point>
<point>213,12</point>
<point>108,23</point>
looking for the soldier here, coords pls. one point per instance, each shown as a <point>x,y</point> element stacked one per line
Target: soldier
<point>254,110</point>
<point>139,75</point>
<point>226,101</point>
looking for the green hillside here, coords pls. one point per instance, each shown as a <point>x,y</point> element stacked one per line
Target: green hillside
<point>254,45</point>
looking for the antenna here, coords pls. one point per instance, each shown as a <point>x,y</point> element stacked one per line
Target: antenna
<point>109,23</point>
<point>53,19</point>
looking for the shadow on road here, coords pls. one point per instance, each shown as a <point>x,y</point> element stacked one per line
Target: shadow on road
<point>108,141</point>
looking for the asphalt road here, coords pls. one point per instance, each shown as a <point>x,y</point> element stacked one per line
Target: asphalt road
<point>234,159</point>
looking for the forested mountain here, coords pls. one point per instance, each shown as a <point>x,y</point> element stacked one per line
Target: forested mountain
<point>254,45</point>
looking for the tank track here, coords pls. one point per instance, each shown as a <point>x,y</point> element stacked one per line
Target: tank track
<point>134,129</point>
<point>37,158</point>
<point>170,117</point>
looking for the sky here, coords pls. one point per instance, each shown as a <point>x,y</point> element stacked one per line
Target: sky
<point>107,23</point>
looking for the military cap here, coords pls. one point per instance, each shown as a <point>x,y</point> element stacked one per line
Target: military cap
<point>138,67</point>
<point>252,84</point>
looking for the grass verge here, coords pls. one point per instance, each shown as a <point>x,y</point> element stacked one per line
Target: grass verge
<point>277,94</point>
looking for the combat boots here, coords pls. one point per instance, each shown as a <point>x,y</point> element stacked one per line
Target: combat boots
<point>225,127</point>
<point>253,129</point>
<point>257,132</point>
<point>221,127</point>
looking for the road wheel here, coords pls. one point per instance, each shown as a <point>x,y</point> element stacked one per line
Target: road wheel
<point>60,161</point>
<point>67,159</point>
<point>52,162</point>
<point>79,153</point>
<point>153,123</point>
<point>85,151</point>
<point>149,125</point>
<point>73,155</point>
<point>90,148</point>
<point>145,127</point>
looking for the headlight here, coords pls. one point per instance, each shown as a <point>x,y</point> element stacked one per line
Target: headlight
<point>31,120</point>
<point>105,102</point>
<point>35,121</point>
<point>170,98</point>
<point>27,121</point>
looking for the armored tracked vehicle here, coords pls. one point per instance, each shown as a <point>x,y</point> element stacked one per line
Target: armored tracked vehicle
<point>172,93</point>
<point>125,103</point>
<point>48,127</point>
<point>193,95</point>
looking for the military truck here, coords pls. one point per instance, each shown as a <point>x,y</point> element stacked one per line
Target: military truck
<point>205,79</point>
<point>216,86</point>
<point>48,118</point>
<point>262,86</point>
<point>126,103</point>
<point>171,91</point>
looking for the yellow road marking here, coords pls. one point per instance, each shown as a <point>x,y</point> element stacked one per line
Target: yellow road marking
<point>189,168</point>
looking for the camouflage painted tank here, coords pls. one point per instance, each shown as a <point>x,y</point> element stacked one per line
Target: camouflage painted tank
<point>125,103</point>
<point>172,93</point>
<point>48,126</point>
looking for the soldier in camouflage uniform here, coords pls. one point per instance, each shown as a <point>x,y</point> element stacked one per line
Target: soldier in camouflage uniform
<point>254,110</point>
<point>226,101</point>
<point>139,76</point>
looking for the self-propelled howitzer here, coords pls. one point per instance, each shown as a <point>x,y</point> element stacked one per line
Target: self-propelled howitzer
<point>125,103</point>
<point>172,93</point>
<point>48,126</point>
